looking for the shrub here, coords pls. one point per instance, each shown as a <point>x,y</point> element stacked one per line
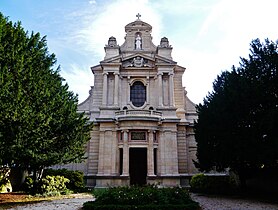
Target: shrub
<point>48,186</point>
<point>149,197</point>
<point>54,185</point>
<point>212,184</point>
<point>76,182</point>
<point>5,184</point>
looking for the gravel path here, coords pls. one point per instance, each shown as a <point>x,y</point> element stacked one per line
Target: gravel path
<point>64,204</point>
<point>222,203</point>
<point>206,203</point>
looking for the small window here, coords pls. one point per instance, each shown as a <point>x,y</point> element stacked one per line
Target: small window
<point>138,94</point>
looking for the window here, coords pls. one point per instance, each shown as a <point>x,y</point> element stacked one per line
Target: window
<point>138,94</point>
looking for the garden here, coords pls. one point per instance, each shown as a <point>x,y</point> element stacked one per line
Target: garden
<point>146,197</point>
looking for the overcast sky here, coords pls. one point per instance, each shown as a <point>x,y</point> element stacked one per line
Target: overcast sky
<point>207,36</point>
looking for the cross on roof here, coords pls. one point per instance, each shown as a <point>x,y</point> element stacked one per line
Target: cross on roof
<point>138,16</point>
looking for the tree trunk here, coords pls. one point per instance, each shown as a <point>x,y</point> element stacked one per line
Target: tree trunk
<point>17,177</point>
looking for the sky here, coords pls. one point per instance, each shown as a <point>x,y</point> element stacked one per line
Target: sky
<point>207,36</point>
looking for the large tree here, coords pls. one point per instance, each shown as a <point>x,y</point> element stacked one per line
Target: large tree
<point>39,123</point>
<point>238,121</point>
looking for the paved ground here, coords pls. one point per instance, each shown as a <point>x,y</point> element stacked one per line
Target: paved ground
<point>227,203</point>
<point>64,204</point>
<point>206,202</point>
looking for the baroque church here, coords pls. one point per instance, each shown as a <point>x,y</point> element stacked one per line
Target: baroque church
<point>143,119</point>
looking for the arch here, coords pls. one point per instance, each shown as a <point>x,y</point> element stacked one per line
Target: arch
<point>138,93</point>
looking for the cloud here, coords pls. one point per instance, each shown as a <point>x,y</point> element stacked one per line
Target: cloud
<point>207,38</point>
<point>79,78</point>
<point>90,31</point>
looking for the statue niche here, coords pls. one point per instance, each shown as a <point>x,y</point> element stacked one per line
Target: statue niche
<point>138,42</point>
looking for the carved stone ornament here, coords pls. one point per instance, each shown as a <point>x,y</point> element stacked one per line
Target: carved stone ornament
<point>137,62</point>
<point>112,42</point>
<point>164,42</point>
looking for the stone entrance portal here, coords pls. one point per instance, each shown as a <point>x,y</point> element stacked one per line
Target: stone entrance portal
<point>138,166</point>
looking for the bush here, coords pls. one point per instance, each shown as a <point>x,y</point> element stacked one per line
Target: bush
<point>5,184</point>
<point>48,186</point>
<point>149,197</point>
<point>212,184</point>
<point>76,182</point>
<point>54,185</point>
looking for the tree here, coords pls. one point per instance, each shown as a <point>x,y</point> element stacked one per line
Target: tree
<point>237,124</point>
<point>39,123</point>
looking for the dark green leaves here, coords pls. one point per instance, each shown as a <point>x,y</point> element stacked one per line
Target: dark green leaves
<point>236,126</point>
<point>39,123</point>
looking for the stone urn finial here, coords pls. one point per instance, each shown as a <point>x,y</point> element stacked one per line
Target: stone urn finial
<point>164,42</point>
<point>112,42</point>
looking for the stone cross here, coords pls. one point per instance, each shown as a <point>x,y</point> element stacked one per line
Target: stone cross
<point>138,16</point>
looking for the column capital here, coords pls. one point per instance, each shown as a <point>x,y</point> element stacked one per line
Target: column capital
<point>105,73</point>
<point>116,73</point>
<point>159,73</point>
<point>171,73</point>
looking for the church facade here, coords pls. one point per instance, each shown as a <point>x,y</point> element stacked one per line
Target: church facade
<point>143,119</point>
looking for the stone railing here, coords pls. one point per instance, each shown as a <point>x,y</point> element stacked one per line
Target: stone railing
<point>149,113</point>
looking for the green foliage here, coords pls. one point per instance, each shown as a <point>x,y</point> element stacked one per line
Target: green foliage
<point>76,178</point>
<point>47,186</point>
<point>5,188</point>
<point>212,184</point>
<point>149,197</point>
<point>39,123</point>
<point>92,206</point>
<point>4,175</point>
<point>28,184</point>
<point>237,125</point>
<point>5,184</point>
<point>54,185</point>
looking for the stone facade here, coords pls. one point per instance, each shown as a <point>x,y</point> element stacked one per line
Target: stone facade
<point>143,119</point>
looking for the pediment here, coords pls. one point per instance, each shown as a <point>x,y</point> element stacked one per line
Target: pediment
<point>162,60</point>
<point>139,60</point>
<point>115,59</point>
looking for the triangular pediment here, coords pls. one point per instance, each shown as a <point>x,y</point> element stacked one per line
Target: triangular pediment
<point>163,60</point>
<point>138,60</point>
<point>115,59</point>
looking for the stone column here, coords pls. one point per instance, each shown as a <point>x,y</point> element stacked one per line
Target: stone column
<point>150,154</point>
<point>104,91</point>
<point>125,154</point>
<point>116,89</point>
<point>171,89</point>
<point>159,89</point>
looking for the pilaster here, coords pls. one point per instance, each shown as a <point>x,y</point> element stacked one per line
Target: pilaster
<point>150,154</point>
<point>125,154</point>
<point>104,91</point>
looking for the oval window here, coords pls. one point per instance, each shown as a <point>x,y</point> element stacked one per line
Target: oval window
<point>138,94</point>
